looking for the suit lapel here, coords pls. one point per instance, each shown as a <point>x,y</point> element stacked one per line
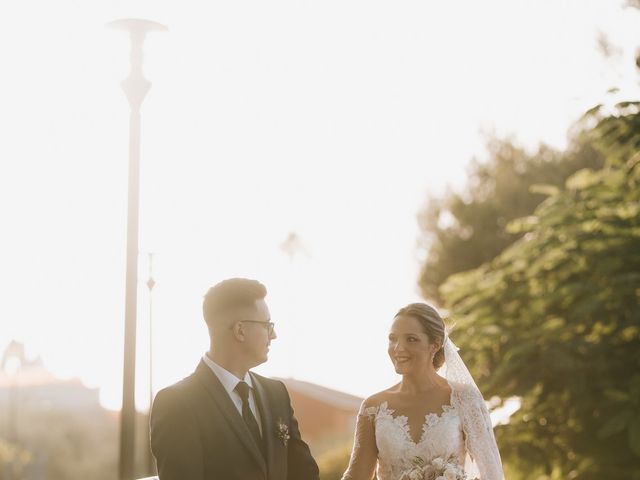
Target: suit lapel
<point>229,411</point>
<point>268,422</point>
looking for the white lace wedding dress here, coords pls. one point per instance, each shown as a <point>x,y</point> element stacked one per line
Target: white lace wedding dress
<point>462,431</point>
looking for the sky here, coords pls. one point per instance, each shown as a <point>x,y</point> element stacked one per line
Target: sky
<point>330,119</point>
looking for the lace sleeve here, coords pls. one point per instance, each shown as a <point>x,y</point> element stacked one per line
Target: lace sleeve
<point>364,455</point>
<point>479,439</point>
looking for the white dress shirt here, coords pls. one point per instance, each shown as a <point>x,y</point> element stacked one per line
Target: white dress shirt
<point>229,382</point>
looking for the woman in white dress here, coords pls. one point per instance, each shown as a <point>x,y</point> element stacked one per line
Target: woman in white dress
<point>425,417</point>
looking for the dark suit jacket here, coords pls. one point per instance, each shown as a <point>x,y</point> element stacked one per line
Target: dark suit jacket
<point>197,433</point>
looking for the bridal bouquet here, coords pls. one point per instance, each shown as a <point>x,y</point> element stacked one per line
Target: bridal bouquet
<point>436,469</point>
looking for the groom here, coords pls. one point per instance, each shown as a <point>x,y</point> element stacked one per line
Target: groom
<point>224,422</point>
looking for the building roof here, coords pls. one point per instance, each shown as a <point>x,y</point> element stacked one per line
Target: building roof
<point>335,398</point>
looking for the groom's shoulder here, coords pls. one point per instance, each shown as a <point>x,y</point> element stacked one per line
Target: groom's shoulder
<point>178,389</point>
<point>181,385</point>
<point>270,383</point>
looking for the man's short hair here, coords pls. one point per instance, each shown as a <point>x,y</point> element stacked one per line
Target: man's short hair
<point>229,294</point>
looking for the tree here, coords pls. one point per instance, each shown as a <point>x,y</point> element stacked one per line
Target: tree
<point>463,231</point>
<point>555,319</point>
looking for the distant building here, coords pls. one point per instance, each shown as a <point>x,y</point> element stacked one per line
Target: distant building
<point>33,387</point>
<point>327,417</point>
<point>37,410</point>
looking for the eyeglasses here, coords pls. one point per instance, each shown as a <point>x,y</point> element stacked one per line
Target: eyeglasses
<point>270,325</point>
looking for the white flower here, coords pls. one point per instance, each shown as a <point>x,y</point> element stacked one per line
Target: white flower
<point>440,478</point>
<point>438,463</point>
<point>283,432</point>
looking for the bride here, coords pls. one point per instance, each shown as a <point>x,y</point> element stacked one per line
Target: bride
<point>426,422</point>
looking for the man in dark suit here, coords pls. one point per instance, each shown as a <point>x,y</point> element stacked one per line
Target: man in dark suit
<point>224,422</point>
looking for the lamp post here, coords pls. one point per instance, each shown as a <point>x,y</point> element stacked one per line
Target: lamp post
<point>150,284</point>
<point>135,87</point>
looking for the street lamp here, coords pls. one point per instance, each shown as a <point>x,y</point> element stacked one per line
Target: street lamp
<point>135,87</point>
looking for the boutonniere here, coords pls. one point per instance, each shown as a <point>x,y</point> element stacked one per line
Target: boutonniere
<point>283,432</point>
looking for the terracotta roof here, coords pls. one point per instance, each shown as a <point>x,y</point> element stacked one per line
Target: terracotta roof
<point>329,396</point>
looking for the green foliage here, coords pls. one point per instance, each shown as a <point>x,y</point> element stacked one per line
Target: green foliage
<point>463,231</point>
<point>555,320</point>
<point>334,463</point>
<point>618,135</point>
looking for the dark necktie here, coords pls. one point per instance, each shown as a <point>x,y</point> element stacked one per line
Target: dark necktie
<point>243,390</point>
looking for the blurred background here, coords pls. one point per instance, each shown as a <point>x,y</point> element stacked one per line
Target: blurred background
<point>354,157</point>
